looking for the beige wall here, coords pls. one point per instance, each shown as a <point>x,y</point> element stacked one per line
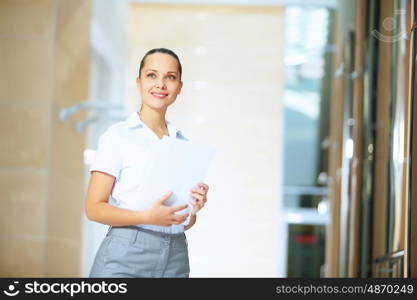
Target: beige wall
<point>44,66</point>
<point>231,99</point>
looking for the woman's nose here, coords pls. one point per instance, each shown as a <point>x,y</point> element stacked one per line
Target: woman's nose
<point>160,83</point>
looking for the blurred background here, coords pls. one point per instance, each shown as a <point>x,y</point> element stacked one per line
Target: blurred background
<point>309,103</point>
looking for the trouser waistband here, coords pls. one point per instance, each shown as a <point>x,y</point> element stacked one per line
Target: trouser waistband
<point>127,229</point>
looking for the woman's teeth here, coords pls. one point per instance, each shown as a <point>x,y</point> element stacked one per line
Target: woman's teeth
<point>158,95</point>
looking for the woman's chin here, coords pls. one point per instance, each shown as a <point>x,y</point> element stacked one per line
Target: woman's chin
<point>157,107</point>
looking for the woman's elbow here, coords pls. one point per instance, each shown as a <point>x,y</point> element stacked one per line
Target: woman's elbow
<point>90,212</point>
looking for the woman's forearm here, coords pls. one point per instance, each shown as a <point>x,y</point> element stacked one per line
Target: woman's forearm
<point>108,214</point>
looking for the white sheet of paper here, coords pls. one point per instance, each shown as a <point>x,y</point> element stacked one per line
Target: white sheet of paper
<point>174,165</point>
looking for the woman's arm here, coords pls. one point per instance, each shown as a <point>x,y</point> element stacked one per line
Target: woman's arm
<point>192,222</point>
<point>99,210</point>
<point>199,194</point>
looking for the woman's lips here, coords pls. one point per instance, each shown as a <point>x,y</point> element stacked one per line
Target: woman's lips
<point>159,95</point>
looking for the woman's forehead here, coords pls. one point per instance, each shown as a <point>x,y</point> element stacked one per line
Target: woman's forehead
<point>161,61</point>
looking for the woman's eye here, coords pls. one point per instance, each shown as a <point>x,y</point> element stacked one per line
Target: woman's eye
<point>151,75</point>
<point>172,77</point>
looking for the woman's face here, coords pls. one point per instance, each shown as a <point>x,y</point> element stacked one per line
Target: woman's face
<point>159,82</point>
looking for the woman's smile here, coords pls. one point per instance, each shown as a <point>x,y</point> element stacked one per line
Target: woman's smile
<point>159,95</point>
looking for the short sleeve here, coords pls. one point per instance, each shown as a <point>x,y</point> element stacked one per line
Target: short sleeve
<point>108,155</point>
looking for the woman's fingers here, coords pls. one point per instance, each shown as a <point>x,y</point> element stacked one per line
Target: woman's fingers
<point>178,219</point>
<point>197,204</point>
<point>200,200</point>
<point>193,201</point>
<point>178,208</point>
<point>198,191</point>
<point>203,186</point>
<point>198,196</point>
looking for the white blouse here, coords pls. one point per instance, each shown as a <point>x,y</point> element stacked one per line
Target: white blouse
<point>122,152</point>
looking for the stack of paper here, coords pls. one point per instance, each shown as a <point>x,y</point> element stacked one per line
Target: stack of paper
<point>174,165</point>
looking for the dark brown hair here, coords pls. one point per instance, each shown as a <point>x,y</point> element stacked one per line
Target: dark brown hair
<point>164,51</point>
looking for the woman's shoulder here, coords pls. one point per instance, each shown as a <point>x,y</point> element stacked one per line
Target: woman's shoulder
<point>115,131</point>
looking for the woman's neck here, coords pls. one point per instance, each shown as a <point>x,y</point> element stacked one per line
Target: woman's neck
<point>155,120</point>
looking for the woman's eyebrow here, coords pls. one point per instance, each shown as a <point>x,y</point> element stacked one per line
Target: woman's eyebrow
<point>158,72</point>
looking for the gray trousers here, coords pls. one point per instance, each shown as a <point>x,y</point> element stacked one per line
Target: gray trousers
<point>136,252</point>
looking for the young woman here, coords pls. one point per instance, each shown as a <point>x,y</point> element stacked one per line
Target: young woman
<point>148,243</point>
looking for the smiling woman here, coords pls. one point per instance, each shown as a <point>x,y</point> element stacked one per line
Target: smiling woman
<point>151,242</point>
<point>159,83</point>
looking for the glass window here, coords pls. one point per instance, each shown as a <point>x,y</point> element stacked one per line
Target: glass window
<point>306,101</point>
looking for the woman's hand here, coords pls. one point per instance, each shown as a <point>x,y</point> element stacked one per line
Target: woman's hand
<point>160,214</point>
<point>199,195</point>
